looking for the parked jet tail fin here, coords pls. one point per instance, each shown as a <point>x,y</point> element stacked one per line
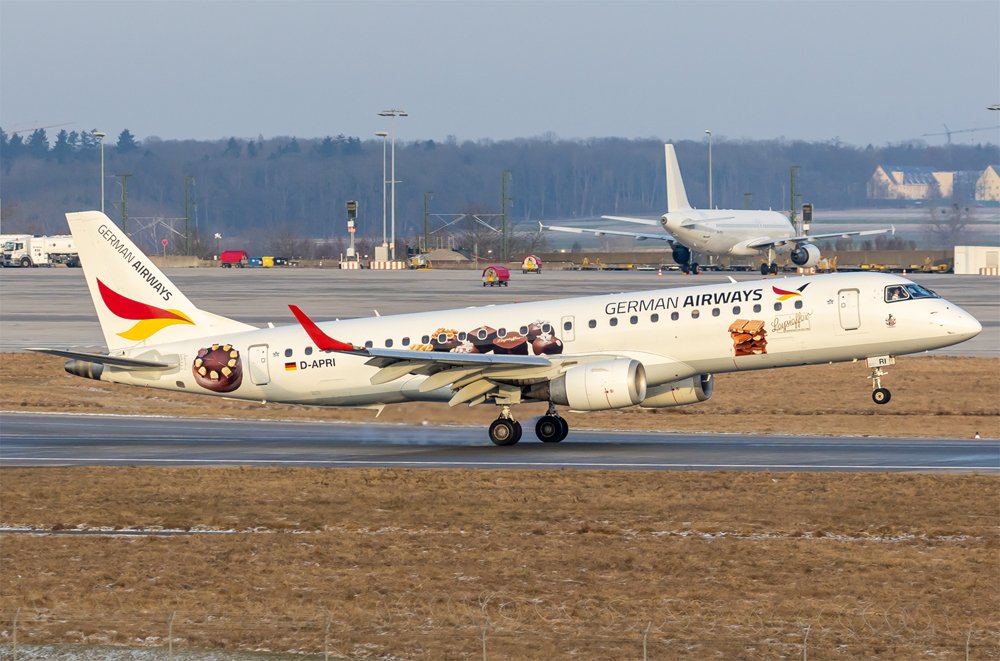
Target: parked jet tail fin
<point>136,303</point>
<point>676,197</point>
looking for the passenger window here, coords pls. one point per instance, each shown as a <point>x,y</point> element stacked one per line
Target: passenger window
<point>695,314</point>
<point>777,306</point>
<point>406,342</point>
<point>369,344</point>
<point>388,344</point>
<point>613,321</point>
<point>633,320</point>
<point>426,339</point>
<point>798,305</point>
<point>309,351</point>
<point>547,328</point>
<point>501,332</point>
<point>288,353</point>
<point>568,326</point>
<point>674,316</point>
<point>462,336</point>
<point>736,309</point>
<point>715,312</point>
<point>524,329</point>
<point>592,323</point>
<point>654,317</point>
<point>756,308</point>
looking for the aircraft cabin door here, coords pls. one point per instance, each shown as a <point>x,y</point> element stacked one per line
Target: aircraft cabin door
<point>850,315</point>
<point>568,331</point>
<point>257,361</point>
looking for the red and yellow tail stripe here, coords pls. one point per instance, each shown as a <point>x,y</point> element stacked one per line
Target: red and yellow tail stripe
<point>151,319</point>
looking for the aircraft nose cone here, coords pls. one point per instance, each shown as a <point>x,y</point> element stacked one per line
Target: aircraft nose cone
<point>960,324</point>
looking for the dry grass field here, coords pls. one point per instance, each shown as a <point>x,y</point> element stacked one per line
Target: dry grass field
<point>575,564</point>
<point>561,564</point>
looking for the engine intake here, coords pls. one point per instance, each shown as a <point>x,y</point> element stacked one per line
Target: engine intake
<point>678,393</point>
<point>609,384</point>
<point>806,254</point>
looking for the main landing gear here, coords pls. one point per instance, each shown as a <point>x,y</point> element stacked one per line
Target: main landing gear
<point>550,428</point>
<point>769,268</point>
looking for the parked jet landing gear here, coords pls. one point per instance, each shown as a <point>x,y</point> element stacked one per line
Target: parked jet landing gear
<point>551,428</point>
<point>505,430</point>
<point>771,269</point>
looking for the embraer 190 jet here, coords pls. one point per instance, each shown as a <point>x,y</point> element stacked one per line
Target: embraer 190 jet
<point>656,349</point>
<point>721,232</point>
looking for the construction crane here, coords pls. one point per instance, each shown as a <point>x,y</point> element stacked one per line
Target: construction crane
<point>947,132</point>
<point>15,131</point>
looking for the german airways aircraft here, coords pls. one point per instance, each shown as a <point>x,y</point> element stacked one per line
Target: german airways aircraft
<point>721,232</point>
<point>655,349</point>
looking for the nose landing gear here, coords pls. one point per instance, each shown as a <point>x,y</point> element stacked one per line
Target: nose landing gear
<point>880,395</point>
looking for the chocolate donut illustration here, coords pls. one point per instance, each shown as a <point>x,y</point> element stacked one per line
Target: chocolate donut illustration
<point>218,368</point>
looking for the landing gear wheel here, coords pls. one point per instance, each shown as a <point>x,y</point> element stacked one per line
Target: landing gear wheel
<point>505,432</point>
<point>764,269</point>
<point>551,429</point>
<point>685,268</point>
<point>694,268</point>
<point>881,395</point>
<point>565,429</point>
<point>774,268</point>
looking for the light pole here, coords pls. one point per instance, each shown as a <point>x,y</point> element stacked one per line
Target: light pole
<point>218,239</point>
<point>709,168</point>
<point>394,112</point>
<point>383,135</point>
<point>100,136</point>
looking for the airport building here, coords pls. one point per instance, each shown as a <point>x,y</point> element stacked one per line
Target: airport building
<point>900,182</point>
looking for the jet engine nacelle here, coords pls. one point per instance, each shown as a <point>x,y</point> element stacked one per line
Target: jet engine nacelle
<point>681,254</point>
<point>806,254</point>
<point>695,389</point>
<point>609,384</point>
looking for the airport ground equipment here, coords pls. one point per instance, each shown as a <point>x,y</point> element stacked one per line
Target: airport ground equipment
<point>40,251</point>
<point>496,275</point>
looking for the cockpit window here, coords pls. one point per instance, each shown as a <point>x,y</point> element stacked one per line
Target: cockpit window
<point>906,292</point>
<point>916,291</point>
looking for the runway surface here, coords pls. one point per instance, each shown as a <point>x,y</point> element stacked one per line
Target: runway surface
<point>39,439</point>
<point>52,307</point>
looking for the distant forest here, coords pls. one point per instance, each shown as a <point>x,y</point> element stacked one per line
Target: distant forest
<point>284,193</point>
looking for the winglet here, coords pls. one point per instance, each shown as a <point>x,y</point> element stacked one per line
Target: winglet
<point>322,341</point>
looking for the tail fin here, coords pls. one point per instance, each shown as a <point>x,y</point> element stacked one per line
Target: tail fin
<point>676,197</point>
<point>136,304</point>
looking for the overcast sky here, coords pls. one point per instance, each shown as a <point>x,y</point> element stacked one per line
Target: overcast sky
<point>862,72</point>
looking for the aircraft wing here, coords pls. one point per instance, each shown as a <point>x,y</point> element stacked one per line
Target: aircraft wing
<point>766,242</point>
<point>471,376</point>
<point>103,359</point>
<point>633,219</point>
<point>662,236</point>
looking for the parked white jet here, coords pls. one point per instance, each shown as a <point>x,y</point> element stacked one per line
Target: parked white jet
<point>721,232</point>
<point>655,348</point>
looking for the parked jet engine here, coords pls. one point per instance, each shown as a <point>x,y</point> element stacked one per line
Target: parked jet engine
<point>692,390</point>
<point>806,254</point>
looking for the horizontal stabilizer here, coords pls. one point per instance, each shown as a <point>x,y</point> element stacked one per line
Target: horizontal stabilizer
<point>113,361</point>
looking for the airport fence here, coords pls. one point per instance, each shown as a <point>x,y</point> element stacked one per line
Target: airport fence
<point>33,634</point>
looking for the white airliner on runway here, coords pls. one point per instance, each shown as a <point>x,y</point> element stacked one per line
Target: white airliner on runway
<point>655,348</point>
<point>721,232</point>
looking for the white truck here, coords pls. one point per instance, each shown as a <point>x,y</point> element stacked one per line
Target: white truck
<point>29,251</point>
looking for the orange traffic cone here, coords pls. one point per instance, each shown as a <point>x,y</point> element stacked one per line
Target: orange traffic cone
<point>659,273</point>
